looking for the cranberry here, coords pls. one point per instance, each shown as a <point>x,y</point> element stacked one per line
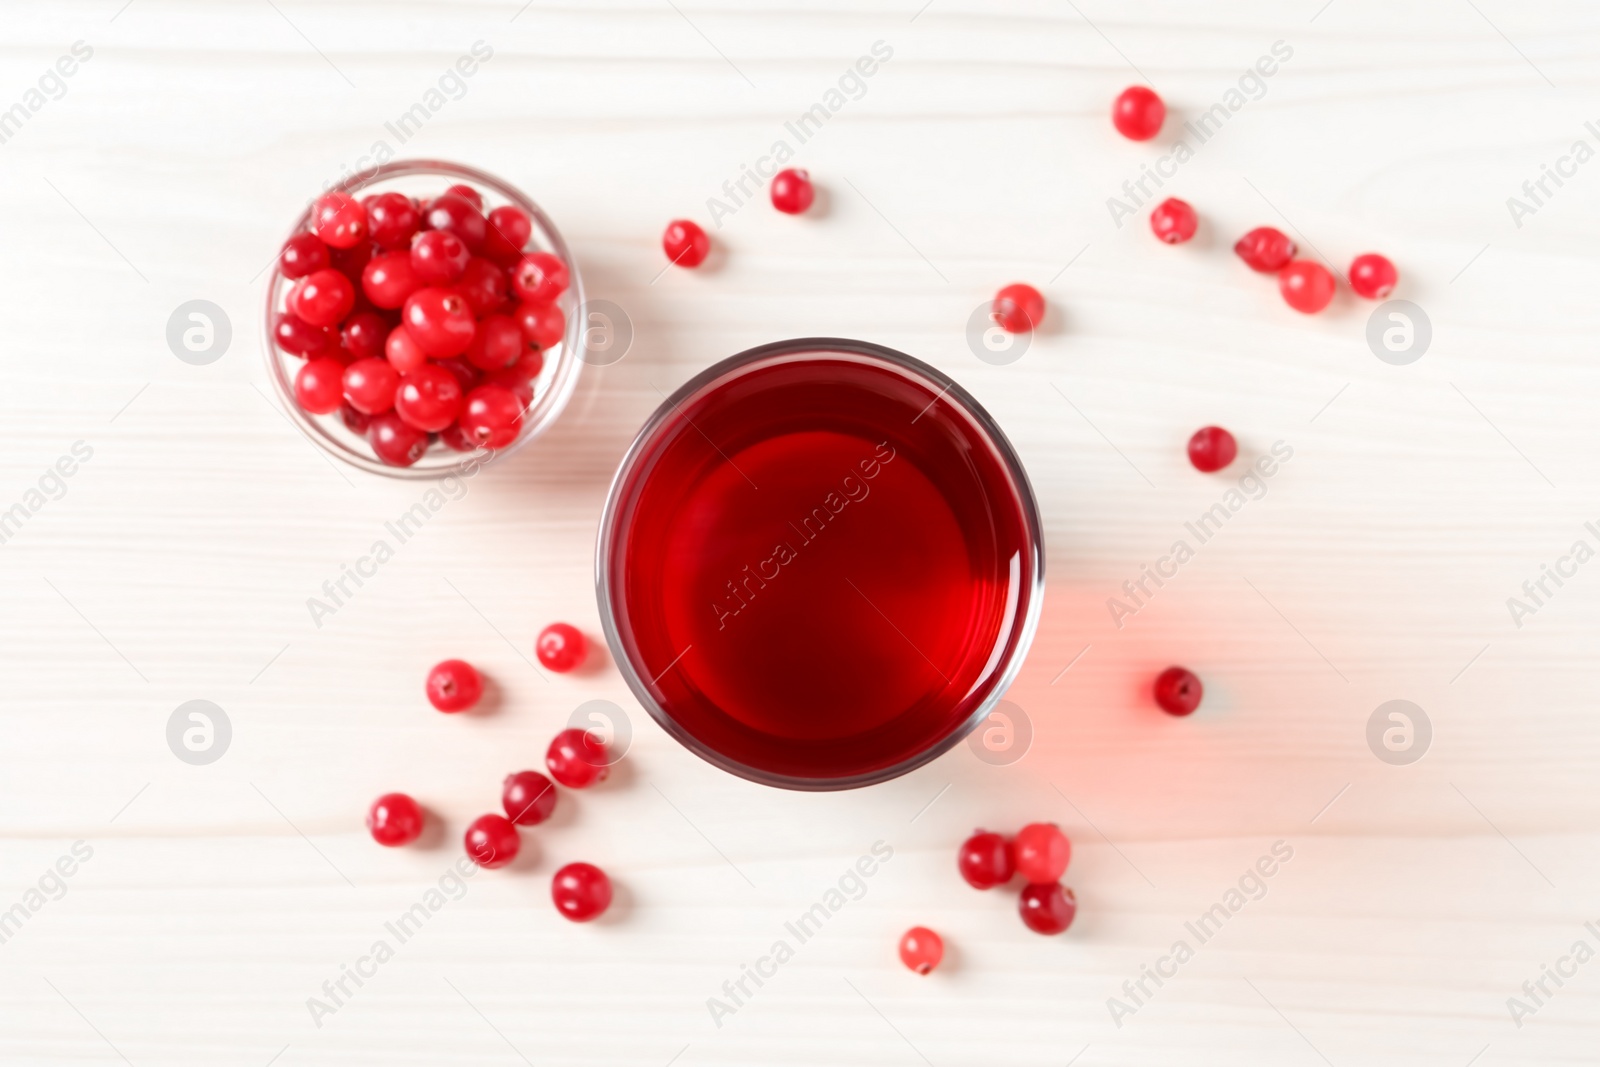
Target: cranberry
<point>355,421</point>
<point>322,298</point>
<point>491,416</point>
<point>539,277</point>
<point>369,385</point>
<point>363,335</point>
<point>455,440</point>
<point>351,262</point>
<point>428,398</point>
<point>1138,113</point>
<point>508,234</point>
<point>581,891</point>
<point>394,819</point>
<point>458,216</point>
<point>1047,909</point>
<point>484,286</point>
<point>439,257</point>
<point>528,797</point>
<point>1018,308</point>
<point>492,841</point>
<point>792,191</point>
<point>577,759</point>
<point>403,352</point>
<point>1373,276</point>
<point>1265,249</point>
<point>685,243</point>
<point>497,344</point>
<point>389,278</point>
<point>302,254</point>
<point>392,218</point>
<point>454,685</point>
<point>543,325</point>
<point>1178,691</point>
<point>513,380</point>
<point>985,860</point>
<point>468,375</point>
<point>560,647</point>
<point>1173,221</point>
<point>921,949</point>
<point>298,337</point>
<point>1306,286</point>
<point>317,386</point>
<point>467,193</point>
<point>339,219</point>
<point>441,321</point>
<point>1042,852</point>
<point>396,443</point>
<point>1212,448</point>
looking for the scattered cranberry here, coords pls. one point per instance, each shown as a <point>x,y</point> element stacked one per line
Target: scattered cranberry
<point>491,416</point>
<point>1018,308</point>
<point>685,243</point>
<point>581,891</point>
<point>340,220</point>
<point>1373,276</point>
<point>1138,113</point>
<point>1047,909</point>
<point>1178,691</point>
<point>497,344</point>
<point>440,320</point>
<point>394,819</point>
<point>396,442</point>
<point>1306,286</point>
<point>492,841</point>
<point>985,860</point>
<point>438,257</point>
<point>428,398</point>
<point>484,286</point>
<point>1173,221</point>
<point>1042,852</point>
<point>318,385</point>
<point>298,337</point>
<point>577,759</point>
<point>322,298</point>
<point>454,685</point>
<point>403,352</point>
<point>792,191</point>
<point>302,254</point>
<point>508,234</point>
<point>528,797</point>
<point>392,218</point>
<point>921,949</point>
<point>390,278</point>
<point>1265,249</point>
<point>1212,448</point>
<point>539,277</point>
<point>560,647</point>
<point>459,216</point>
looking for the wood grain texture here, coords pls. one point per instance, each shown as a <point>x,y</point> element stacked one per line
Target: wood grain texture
<point>1376,566</point>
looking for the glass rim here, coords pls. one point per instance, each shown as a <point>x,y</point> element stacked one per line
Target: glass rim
<point>945,387</point>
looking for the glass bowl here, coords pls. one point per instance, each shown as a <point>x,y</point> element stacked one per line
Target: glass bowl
<point>882,552</point>
<point>552,388</point>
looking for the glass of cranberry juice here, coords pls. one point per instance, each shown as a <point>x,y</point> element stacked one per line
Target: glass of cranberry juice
<point>820,564</point>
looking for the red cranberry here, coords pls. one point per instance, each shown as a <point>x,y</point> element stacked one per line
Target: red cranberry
<point>1178,691</point>
<point>1265,249</point>
<point>455,440</point>
<point>1018,308</point>
<point>543,325</point>
<point>1047,909</point>
<point>363,335</point>
<point>351,262</point>
<point>1373,276</point>
<point>369,385</point>
<point>396,443</point>
<point>441,320</point>
<point>340,220</point>
<point>467,193</point>
<point>318,386</point>
<point>581,891</point>
<point>792,191</point>
<point>1173,221</point>
<point>528,797</point>
<point>1212,448</point>
<point>322,298</point>
<point>428,398</point>
<point>1138,113</point>
<point>299,338</point>
<point>985,860</point>
<point>1306,286</point>
<point>513,380</point>
<point>685,243</point>
<point>394,819</point>
<point>458,216</point>
<point>389,278</point>
<point>577,759</point>
<point>469,376</point>
<point>560,647</point>
<point>497,344</point>
<point>454,685</point>
<point>491,416</point>
<point>403,352</point>
<point>302,254</point>
<point>492,841</point>
<point>508,234</point>
<point>438,257</point>
<point>392,218</point>
<point>539,277</point>
<point>484,286</point>
<point>355,421</point>
<point>1042,852</point>
<point>921,949</point>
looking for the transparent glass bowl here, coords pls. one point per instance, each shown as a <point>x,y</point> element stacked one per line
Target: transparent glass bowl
<point>552,389</point>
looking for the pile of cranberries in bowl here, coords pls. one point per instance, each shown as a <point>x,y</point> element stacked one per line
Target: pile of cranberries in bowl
<point>419,316</point>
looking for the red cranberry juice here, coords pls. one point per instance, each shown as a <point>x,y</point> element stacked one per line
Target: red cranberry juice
<point>822,565</point>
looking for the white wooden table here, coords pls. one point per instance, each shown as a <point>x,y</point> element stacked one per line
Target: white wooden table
<point>175,563</point>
